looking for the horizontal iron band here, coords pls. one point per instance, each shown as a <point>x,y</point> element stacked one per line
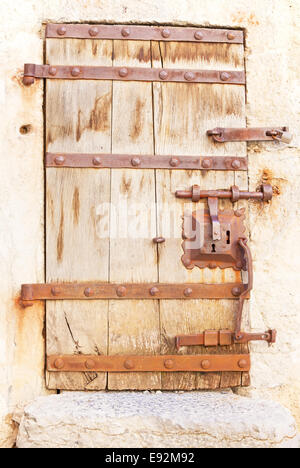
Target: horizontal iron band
<point>216,163</point>
<point>133,74</point>
<point>94,290</point>
<point>168,363</point>
<point>150,33</point>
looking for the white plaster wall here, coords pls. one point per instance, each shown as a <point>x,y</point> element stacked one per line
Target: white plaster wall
<point>273,95</point>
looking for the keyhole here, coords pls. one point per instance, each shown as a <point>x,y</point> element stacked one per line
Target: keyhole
<point>213,247</point>
<point>228,237</point>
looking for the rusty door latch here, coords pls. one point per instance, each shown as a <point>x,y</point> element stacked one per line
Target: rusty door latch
<point>234,194</point>
<point>222,135</point>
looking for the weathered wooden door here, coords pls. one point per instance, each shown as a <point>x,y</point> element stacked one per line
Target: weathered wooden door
<point>101,222</point>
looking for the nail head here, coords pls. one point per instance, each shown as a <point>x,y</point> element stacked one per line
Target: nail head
<point>123,72</point>
<point>93,31</point>
<point>59,363</point>
<point>121,291</point>
<point>59,160</point>
<point>163,75</point>
<point>125,32</point>
<point>61,31</point>
<point>205,364</point>
<point>198,35</point>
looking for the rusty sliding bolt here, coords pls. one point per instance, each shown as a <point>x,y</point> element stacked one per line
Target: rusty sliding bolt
<point>222,135</point>
<point>223,338</point>
<point>248,260</point>
<point>235,194</point>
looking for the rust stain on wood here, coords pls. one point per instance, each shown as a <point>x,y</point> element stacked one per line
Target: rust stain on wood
<point>126,184</point>
<point>60,238</point>
<point>76,205</point>
<point>137,120</point>
<point>99,118</point>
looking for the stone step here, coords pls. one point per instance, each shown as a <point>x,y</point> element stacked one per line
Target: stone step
<point>156,420</point>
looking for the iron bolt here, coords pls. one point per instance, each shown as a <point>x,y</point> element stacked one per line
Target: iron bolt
<point>123,72</point>
<point>230,36</point>
<point>239,213</point>
<point>163,75</point>
<point>189,76</point>
<point>205,364</point>
<point>129,364</point>
<point>55,291</point>
<point>188,292</point>
<point>125,32</point>
<point>224,76</point>
<point>174,162</point>
<point>198,35</point>
<point>28,80</point>
<point>61,31</point>
<point>169,363</point>
<point>159,240</point>
<point>206,163</point>
<point>166,33</point>
<point>236,292</point>
<point>121,291</point>
<point>52,71</point>
<point>90,364</point>
<point>236,164</point>
<point>75,71</point>
<point>59,363</point>
<point>135,161</point>
<point>242,363</point>
<point>154,291</point>
<point>97,162</point>
<point>88,292</point>
<point>93,31</point>
<point>212,266</point>
<point>59,160</point>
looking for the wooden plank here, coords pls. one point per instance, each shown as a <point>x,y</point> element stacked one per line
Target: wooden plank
<point>183,114</point>
<point>78,119</point>
<point>133,325</point>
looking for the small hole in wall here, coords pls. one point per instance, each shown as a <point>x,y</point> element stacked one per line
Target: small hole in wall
<point>213,247</point>
<point>25,129</point>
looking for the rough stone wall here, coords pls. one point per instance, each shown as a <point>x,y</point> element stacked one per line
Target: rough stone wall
<point>273,98</point>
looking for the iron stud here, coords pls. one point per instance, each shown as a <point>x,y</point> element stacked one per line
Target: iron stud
<point>61,31</point>
<point>154,291</point>
<point>166,33</point>
<point>123,72</point>
<point>174,162</point>
<point>224,76</point>
<point>59,160</point>
<point>169,364</point>
<point>121,291</point>
<point>52,71</point>
<point>198,36</point>
<point>135,161</point>
<point>230,36</point>
<point>90,364</point>
<point>129,364</point>
<point>163,75</point>
<point>188,292</point>
<point>75,71</point>
<point>93,31</point>
<point>205,364</point>
<point>88,292</point>
<point>59,363</point>
<point>97,162</point>
<point>189,76</point>
<point>125,32</point>
<point>207,163</point>
<point>242,363</point>
<point>236,164</point>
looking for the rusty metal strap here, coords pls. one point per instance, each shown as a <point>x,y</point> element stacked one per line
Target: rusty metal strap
<point>96,290</point>
<point>63,72</point>
<point>168,363</point>
<point>223,338</point>
<point>146,33</point>
<point>217,163</point>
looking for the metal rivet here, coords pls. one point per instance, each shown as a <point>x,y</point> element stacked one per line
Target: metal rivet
<point>28,80</point>
<point>135,161</point>
<point>166,33</point>
<point>224,76</point>
<point>163,75</point>
<point>212,266</point>
<point>75,71</point>
<point>188,292</point>
<point>239,213</point>
<point>174,162</point>
<point>52,71</point>
<point>187,262</point>
<point>236,164</point>
<point>88,292</point>
<point>59,363</point>
<point>123,72</point>
<point>59,160</point>
<point>230,36</point>
<point>242,363</point>
<point>205,364</point>
<point>159,240</point>
<point>129,364</point>
<point>236,291</point>
<point>61,30</point>
<point>93,31</point>
<point>90,364</point>
<point>97,162</point>
<point>207,163</point>
<point>153,291</point>
<point>198,36</point>
<point>125,32</point>
<point>55,291</point>
<point>169,364</point>
<point>189,76</point>
<point>121,291</point>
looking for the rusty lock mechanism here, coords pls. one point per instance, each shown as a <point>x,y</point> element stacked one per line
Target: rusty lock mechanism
<point>216,239</point>
<point>222,135</point>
